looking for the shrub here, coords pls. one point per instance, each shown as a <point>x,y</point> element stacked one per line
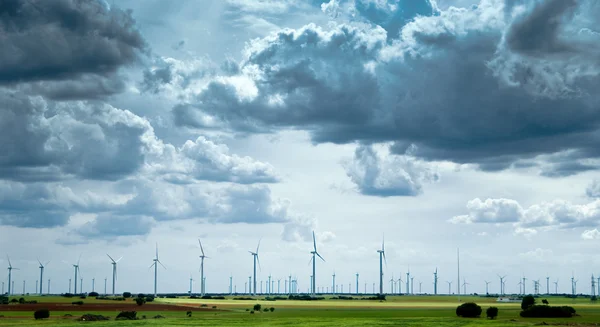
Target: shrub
<point>3,299</point>
<point>214,306</point>
<point>149,298</point>
<point>545,311</point>
<point>528,300</point>
<point>14,301</point>
<point>594,298</point>
<point>127,295</point>
<point>77,303</point>
<point>158,317</point>
<point>492,312</point>
<point>83,297</point>
<point>544,301</point>
<point>252,312</point>
<point>68,295</point>
<point>189,314</point>
<point>247,309</point>
<point>257,307</point>
<point>272,309</point>
<point>91,317</point>
<point>140,300</point>
<point>141,295</point>
<point>127,315</point>
<point>41,314</point>
<point>93,294</point>
<point>266,310</point>
<point>468,310</point>
<point>21,300</point>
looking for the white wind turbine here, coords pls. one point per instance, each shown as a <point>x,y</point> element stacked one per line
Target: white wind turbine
<point>381,260</point>
<point>202,257</point>
<point>42,266</point>
<point>255,257</point>
<point>155,264</point>
<point>77,271</point>
<point>10,269</point>
<point>114,272</point>
<point>314,253</point>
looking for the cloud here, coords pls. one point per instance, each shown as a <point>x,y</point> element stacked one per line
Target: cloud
<point>392,15</point>
<point>537,254</point>
<point>591,234</point>
<point>593,190</point>
<point>55,140</point>
<point>557,214</point>
<point>65,40</point>
<point>350,83</point>
<point>490,211</point>
<point>390,175</point>
<point>108,227</point>
<point>202,159</point>
<point>299,229</point>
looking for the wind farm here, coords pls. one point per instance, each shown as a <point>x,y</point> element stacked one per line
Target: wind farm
<point>406,298</point>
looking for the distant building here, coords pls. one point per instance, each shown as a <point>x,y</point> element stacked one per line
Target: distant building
<point>506,299</point>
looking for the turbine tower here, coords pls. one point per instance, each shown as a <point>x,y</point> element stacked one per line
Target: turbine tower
<point>202,257</point>
<point>114,268</point>
<point>333,284</point>
<point>449,287</point>
<point>381,259</point>
<point>155,265</point>
<point>357,283</point>
<point>314,253</point>
<point>435,281</point>
<point>255,257</point>
<point>42,266</point>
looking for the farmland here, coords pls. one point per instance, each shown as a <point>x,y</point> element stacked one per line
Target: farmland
<point>400,310</point>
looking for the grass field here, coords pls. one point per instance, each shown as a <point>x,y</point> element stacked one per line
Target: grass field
<point>396,311</point>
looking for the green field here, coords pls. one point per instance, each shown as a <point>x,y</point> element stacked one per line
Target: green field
<point>396,311</point>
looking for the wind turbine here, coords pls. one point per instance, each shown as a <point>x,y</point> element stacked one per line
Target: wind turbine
<point>202,257</point>
<point>155,264</point>
<point>502,284</point>
<point>381,259</point>
<point>465,286</point>
<point>255,257</point>
<point>435,281</point>
<point>42,274</point>
<point>449,287</point>
<point>10,269</point>
<point>486,286</point>
<point>76,266</point>
<point>114,277</point>
<point>314,253</point>
<point>556,287</point>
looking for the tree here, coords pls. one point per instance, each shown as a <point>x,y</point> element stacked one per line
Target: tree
<point>468,310</point>
<point>93,294</point>
<point>257,307</point>
<point>272,309</point>
<point>140,300</point>
<point>41,314</point>
<point>594,298</point>
<point>21,300</point>
<point>544,301</point>
<point>528,300</point>
<point>492,312</point>
<point>126,295</point>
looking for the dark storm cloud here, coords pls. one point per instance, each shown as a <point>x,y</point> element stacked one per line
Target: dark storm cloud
<point>451,86</point>
<point>64,39</point>
<point>49,140</point>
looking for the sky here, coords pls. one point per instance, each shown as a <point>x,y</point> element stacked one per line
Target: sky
<point>437,125</point>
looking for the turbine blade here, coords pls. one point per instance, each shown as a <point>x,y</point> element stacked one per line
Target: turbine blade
<point>201,248</point>
<point>162,264</point>
<point>383,244</point>
<point>8,258</point>
<point>310,261</point>
<point>384,259</point>
<point>40,262</point>
<point>314,242</point>
<point>320,256</point>
<point>152,265</point>
<point>47,263</point>
<point>258,246</point>
<point>79,259</point>
<point>258,260</point>
<point>157,250</point>
<point>119,259</point>
<point>111,259</point>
